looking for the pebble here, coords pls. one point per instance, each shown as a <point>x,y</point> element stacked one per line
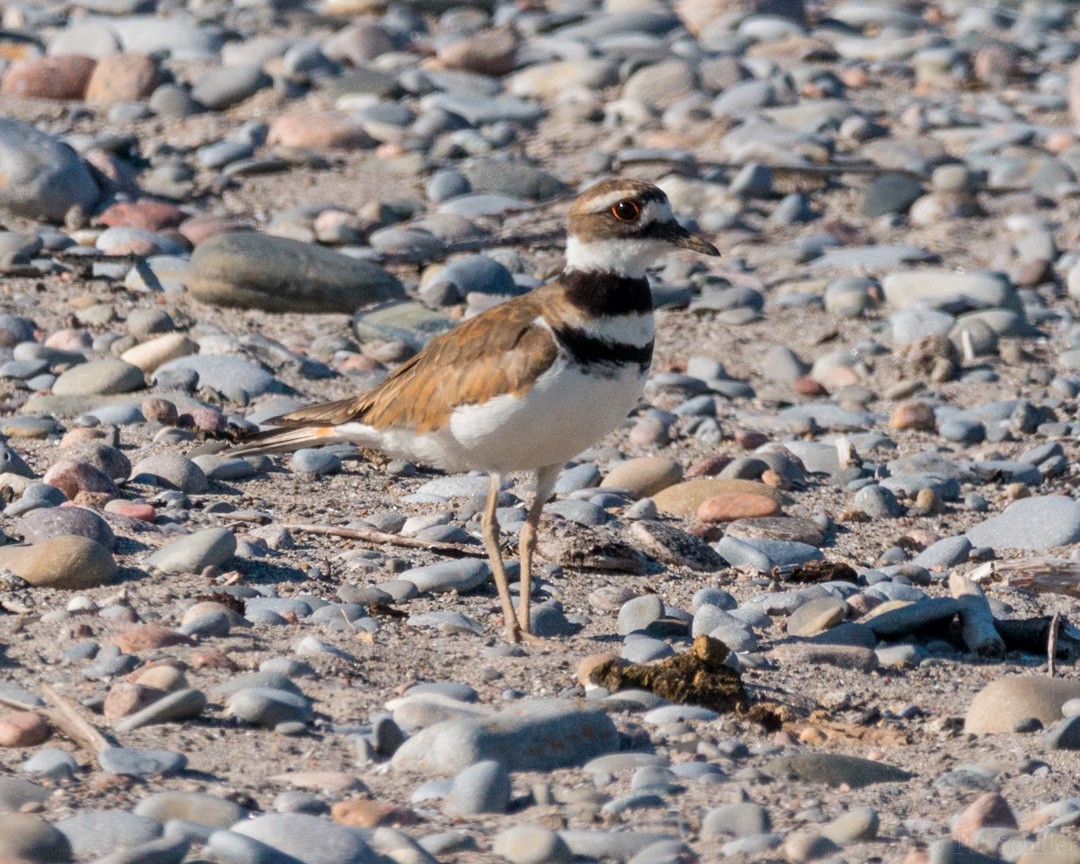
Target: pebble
<point>1037,523</point>
<point>132,762</point>
<point>532,736</point>
<point>24,837</point>
<point>265,706</point>
<point>95,832</point>
<point>42,523</point>
<point>67,561</point>
<point>170,471</point>
<point>644,476</point>
<point>1003,703</point>
<point>531,844</point>
<point>97,377</point>
<point>462,576</point>
<point>315,462</point>
<point>195,552</point>
<point>481,788</point>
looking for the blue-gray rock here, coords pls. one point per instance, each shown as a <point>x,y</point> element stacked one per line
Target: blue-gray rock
<point>40,176</point>
<point>946,552</point>
<point>835,769</point>
<point>878,502</point>
<point>225,86</point>
<point>903,621</point>
<point>165,850</point>
<point>741,819</point>
<point>178,705</point>
<point>195,552</point>
<point>96,831</point>
<point>575,510</point>
<point>57,765</point>
<point>233,848</point>
<point>1035,523</point>
<point>277,274</point>
<point>481,788</point>
<point>170,471</point>
<point>616,845</point>
<point>639,613</point>
<point>130,762</point>
<point>534,735</point>
<point>461,575</point>
<point>645,649</point>
<point>309,839</point>
<point>230,376</point>
<point>267,707</point>
<point>316,461</point>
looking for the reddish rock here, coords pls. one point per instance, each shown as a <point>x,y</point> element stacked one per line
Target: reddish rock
<point>72,476</point>
<point>199,228</point>
<point>146,213</point>
<point>133,510</point>
<point>207,419</point>
<point>736,505</point>
<point>989,810</point>
<point>125,698</point>
<point>709,467</point>
<point>83,435</point>
<point>364,813</point>
<point>122,78</point>
<point>159,411</point>
<point>23,729</point>
<point>359,363</point>
<point>213,658</point>
<point>913,414</point>
<point>808,387</point>
<point>750,439</point>
<point>489,52</point>
<point>148,637</point>
<point>62,77</point>
<point>319,130</point>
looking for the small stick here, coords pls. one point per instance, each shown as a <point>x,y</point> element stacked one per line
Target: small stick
<point>68,720</point>
<point>455,550</point>
<point>980,635</point>
<point>1051,646</point>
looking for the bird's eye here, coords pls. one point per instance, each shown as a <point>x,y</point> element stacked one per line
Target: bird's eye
<point>626,211</point>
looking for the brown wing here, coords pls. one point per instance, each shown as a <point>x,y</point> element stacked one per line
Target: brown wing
<point>501,351</point>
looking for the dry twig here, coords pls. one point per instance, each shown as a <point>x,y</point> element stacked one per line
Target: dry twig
<point>1051,646</point>
<point>66,717</point>
<point>369,535</point>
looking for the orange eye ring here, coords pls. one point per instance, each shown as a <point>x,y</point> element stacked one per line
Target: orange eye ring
<point>626,210</point>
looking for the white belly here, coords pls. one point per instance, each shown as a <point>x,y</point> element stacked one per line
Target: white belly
<point>564,412</point>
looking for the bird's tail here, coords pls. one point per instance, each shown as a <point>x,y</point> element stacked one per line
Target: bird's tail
<point>285,440</point>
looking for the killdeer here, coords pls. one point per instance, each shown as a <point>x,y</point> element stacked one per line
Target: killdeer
<point>527,384</point>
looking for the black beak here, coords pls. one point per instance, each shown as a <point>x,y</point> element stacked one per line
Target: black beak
<point>676,235</point>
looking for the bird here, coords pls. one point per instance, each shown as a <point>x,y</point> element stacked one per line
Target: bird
<point>527,384</point>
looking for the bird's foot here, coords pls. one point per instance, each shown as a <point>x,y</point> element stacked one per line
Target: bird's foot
<point>516,635</point>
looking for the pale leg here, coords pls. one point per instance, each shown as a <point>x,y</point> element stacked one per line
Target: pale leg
<point>490,530</point>
<point>545,483</point>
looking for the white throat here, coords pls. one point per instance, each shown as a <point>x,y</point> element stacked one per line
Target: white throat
<point>622,256</point>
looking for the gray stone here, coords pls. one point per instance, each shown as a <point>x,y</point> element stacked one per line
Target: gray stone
<point>56,765</point>
<point>315,461</point>
<point>461,575</point>
<point>639,613</point>
<point>230,376</point>
<point>946,552</point>
<point>42,178</point>
<point>253,271</point>
<point>16,793</point>
<point>195,552</point>
<point>481,788</point>
<point>225,86</point>
<point>835,769</point>
<point>178,705</point>
<point>310,839</point>
<point>264,706</point>
<point>96,831</point>
<point>534,735</point>
<point>1036,523</point>
<point>233,848</point>
<point>131,762</point>
<point>878,502</point>
<point>171,471</point>
<point>166,850</point>
<point>44,522</point>
<point>96,377</point>
<point>531,844</point>
<point>196,807</point>
<point>907,619</point>
<point>816,615</point>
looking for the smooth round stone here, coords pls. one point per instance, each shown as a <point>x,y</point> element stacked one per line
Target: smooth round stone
<point>56,765</point>
<point>581,512</point>
<point>447,184</point>
<point>639,613</point>
<point>29,838</point>
<point>228,375</point>
<point>153,353</point>
<point>859,823</point>
<point>191,806</point>
<point>309,839</point>
<point>43,178</point>
<point>218,467</point>
<point>878,502</point>
<point>1036,523</point>
<point>67,561</point>
<point>684,499</point>
<point>99,377</point>
<point>315,461</point>
<point>278,274</point>
<point>531,844</point>
<point>477,273</point>
<point>195,552</point>
<point>264,678</point>
<point>742,819</point>
<point>36,495</point>
<point>181,705</point>
<point>43,523</point>
<point>583,476</point>
<point>98,831</point>
<point>816,616</point>
<point>461,575</point>
<point>223,87</point>
<point>16,793</point>
<point>646,650</point>
<point>171,471</point>
<point>644,476</point>
<point>481,788</point>
<point>267,707</point>
<point>130,762</point>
